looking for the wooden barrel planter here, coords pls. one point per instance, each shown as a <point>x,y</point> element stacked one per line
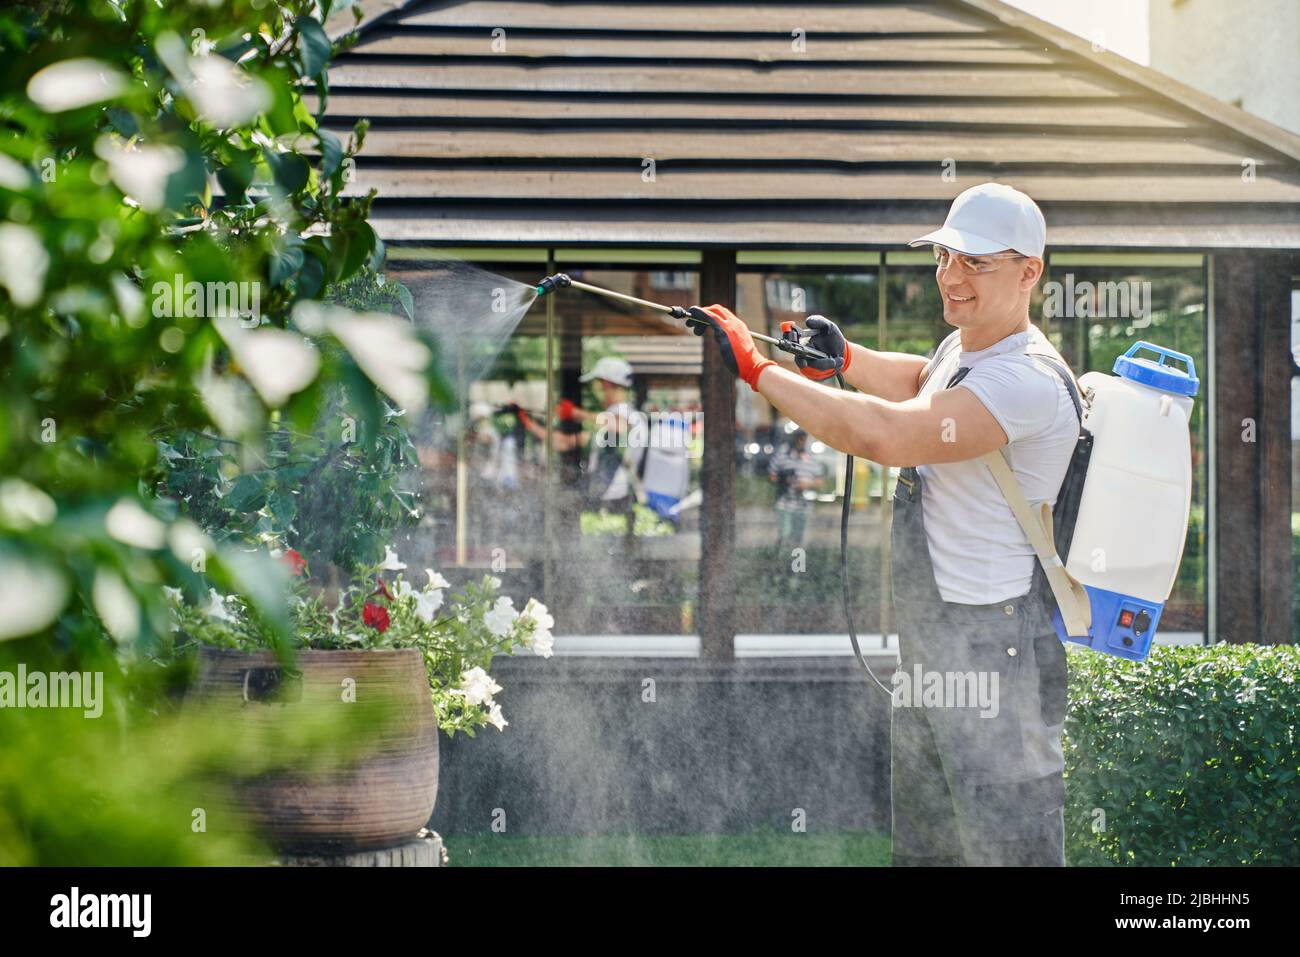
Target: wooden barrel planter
<point>382,795</point>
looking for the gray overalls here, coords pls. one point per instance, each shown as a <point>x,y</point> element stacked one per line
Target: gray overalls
<point>967,788</point>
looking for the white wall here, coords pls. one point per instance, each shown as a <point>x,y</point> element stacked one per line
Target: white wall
<point>1247,50</point>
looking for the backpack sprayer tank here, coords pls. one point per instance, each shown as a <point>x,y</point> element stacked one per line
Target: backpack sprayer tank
<point>1132,518</point>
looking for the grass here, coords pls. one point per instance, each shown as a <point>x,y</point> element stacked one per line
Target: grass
<point>767,848</point>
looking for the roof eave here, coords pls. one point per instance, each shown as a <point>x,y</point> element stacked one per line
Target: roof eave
<point>1266,134</point>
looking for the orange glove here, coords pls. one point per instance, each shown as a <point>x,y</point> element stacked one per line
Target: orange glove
<point>732,336</point>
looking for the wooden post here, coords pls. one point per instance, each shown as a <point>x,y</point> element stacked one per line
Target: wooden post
<point>1252,445</point>
<point>716,619</point>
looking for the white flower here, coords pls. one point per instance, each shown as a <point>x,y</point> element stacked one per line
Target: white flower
<point>436,580</point>
<point>541,640</point>
<point>173,594</point>
<point>70,84</point>
<point>224,94</point>
<point>217,609</point>
<point>495,718</point>
<point>402,589</point>
<point>477,686</point>
<point>387,348</point>
<point>390,562</point>
<point>501,617</point>
<point>277,362</point>
<point>493,581</point>
<point>542,644</point>
<point>23,263</point>
<point>141,172</point>
<point>426,604</point>
<point>537,613</point>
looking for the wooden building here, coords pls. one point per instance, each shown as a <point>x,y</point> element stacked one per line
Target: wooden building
<point>713,138</point>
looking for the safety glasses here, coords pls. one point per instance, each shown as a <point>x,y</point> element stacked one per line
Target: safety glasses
<point>944,257</point>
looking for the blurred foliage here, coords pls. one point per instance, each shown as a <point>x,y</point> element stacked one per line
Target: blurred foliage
<point>147,781</point>
<point>143,144</point>
<point>646,523</point>
<point>334,493</point>
<point>171,214</point>
<point>1189,758</point>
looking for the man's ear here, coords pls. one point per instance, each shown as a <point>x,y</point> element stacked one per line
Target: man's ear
<point>1031,271</point>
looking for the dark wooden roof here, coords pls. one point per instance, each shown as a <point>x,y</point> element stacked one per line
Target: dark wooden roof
<point>756,144</point>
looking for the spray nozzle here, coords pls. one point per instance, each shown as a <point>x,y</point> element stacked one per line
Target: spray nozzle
<point>551,283</point>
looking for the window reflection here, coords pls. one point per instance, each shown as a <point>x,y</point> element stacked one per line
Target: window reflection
<point>789,486</point>
<point>495,500</point>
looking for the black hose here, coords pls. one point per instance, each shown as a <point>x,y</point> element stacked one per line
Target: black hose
<point>845,593</point>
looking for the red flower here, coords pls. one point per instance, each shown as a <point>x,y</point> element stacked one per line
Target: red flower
<point>297,564</point>
<point>382,589</point>
<point>375,616</point>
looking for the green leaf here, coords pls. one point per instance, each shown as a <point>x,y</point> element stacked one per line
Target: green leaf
<point>279,119</point>
<point>310,277</point>
<point>236,175</point>
<point>289,169</point>
<point>247,493</point>
<point>314,47</point>
<point>331,152</point>
<point>286,263</point>
<point>376,261</point>
<point>361,242</point>
<point>408,303</point>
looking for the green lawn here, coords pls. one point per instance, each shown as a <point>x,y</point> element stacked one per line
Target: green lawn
<point>756,848</point>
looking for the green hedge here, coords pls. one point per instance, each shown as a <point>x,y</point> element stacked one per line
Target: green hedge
<point>1188,758</point>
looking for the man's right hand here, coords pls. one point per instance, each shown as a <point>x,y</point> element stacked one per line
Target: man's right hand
<point>827,339</point>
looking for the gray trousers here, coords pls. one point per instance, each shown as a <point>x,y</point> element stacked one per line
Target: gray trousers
<point>975,731</point>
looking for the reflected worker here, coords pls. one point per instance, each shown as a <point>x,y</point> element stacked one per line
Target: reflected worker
<point>795,471</point>
<point>620,436</point>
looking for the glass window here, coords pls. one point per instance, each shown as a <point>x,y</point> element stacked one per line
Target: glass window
<point>789,486</point>
<point>625,542</point>
<point>480,477</point>
<point>606,524</point>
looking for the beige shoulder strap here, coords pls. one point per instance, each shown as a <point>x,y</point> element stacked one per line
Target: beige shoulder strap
<point>1071,597</point>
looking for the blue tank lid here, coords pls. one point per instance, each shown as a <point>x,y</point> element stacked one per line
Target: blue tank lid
<point>1155,373</point>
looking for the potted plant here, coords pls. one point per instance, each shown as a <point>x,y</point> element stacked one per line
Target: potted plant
<point>392,661</point>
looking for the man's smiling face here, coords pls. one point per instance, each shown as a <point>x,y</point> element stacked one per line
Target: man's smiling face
<point>972,299</point>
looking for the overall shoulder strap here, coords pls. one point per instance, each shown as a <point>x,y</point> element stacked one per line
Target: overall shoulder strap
<point>1071,597</point>
<point>940,354</point>
<point>1066,376</point>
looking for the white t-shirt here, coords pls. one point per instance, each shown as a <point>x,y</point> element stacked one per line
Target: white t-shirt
<point>979,552</point>
<point>631,442</point>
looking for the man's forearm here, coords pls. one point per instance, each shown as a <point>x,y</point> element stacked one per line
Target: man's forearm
<point>889,375</point>
<point>843,420</point>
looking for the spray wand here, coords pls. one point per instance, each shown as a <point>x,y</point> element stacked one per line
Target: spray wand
<point>791,341</point>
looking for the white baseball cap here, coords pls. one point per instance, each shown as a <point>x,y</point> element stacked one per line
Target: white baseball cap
<point>611,369</point>
<point>989,218</point>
